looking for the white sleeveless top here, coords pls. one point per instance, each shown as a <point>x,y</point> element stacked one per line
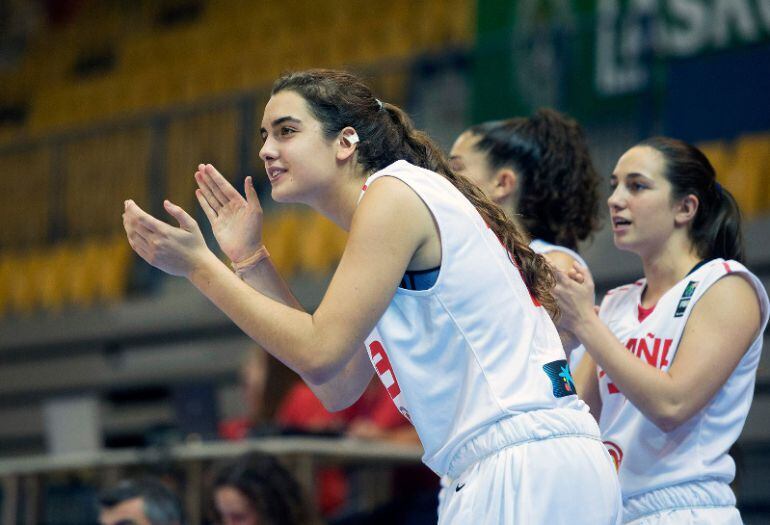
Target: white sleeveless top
<point>541,246</point>
<point>475,347</point>
<point>647,457</point>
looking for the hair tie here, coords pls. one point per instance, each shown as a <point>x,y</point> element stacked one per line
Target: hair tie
<point>379,103</point>
<point>248,263</point>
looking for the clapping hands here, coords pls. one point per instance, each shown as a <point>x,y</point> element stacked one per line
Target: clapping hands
<point>235,221</point>
<point>175,250</point>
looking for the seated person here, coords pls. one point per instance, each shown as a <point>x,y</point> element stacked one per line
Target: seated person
<point>299,411</point>
<point>253,379</point>
<point>269,408</point>
<point>255,489</point>
<point>139,502</point>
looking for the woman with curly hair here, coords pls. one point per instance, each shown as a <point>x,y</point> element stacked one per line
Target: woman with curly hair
<point>437,291</point>
<point>539,171</point>
<point>255,489</point>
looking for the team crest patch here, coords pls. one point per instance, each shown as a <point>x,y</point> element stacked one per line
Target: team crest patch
<point>689,290</point>
<point>561,379</point>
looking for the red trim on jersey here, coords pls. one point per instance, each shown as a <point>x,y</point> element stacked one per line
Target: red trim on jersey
<point>642,312</point>
<point>727,267</point>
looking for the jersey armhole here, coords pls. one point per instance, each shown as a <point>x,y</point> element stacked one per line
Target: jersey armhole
<point>437,230</point>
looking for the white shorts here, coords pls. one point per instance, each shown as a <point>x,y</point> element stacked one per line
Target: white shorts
<point>709,502</point>
<point>562,479</point>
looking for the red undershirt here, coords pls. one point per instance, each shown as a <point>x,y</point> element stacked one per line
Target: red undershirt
<point>643,313</point>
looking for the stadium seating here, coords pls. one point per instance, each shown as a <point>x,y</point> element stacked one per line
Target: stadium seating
<point>124,100</point>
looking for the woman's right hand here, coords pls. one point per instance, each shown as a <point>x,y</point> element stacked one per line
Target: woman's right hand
<point>574,291</point>
<point>236,222</point>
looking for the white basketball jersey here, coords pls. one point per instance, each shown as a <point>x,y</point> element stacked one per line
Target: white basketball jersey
<point>475,347</point>
<point>541,246</point>
<point>647,457</point>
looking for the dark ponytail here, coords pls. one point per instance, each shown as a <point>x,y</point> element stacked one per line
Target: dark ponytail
<point>338,99</point>
<point>716,229</point>
<point>558,196</point>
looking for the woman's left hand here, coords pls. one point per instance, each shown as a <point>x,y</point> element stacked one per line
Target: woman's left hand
<point>574,291</point>
<point>175,250</point>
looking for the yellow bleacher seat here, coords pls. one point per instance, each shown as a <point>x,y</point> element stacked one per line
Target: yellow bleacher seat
<point>321,244</point>
<point>113,275</point>
<point>22,289</point>
<point>83,278</point>
<point>55,268</point>
<point>67,256</point>
<point>234,45</point>
<point>719,154</point>
<point>281,233</point>
<point>203,138</point>
<point>26,194</point>
<point>102,171</point>
<point>6,276</point>
<point>70,273</point>
<point>749,171</point>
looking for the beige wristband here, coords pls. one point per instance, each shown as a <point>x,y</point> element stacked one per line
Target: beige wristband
<point>250,262</point>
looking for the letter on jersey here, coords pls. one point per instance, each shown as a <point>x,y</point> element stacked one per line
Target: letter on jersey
<point>384,370</point>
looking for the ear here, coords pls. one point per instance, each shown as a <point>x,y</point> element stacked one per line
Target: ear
<point>504,184</point>
<point>686,210</point>
<point>347,143</point>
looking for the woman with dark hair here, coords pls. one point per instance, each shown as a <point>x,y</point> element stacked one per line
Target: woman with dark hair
<point>256,490</point>
<point>539,171</point>
<point>677,351</point>
<point>437,290</point>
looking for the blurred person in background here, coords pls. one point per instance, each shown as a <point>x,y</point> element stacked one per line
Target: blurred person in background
<point>253,421</point>
<point>671,359</point>
<point>255,489</point>
<point>300,412</point>
<point>539,171</point>
<point>437,290</point>
<point>145,501</point>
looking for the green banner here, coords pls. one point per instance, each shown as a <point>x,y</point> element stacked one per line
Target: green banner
<point>593,58</point>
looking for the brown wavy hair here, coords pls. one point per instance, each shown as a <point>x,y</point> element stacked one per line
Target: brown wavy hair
<point>339,99</point>
<point>558,198</point>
